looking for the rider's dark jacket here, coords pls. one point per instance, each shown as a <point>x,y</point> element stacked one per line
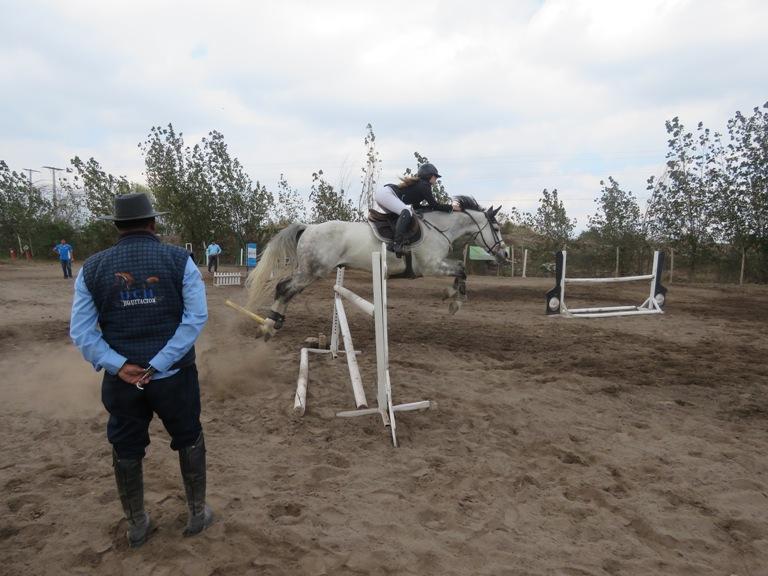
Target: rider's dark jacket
<point>418,192</point>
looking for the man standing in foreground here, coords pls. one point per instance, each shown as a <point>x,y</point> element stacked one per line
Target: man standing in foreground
<point>65,257</point>
<point>213,252</point>
<point>148,299</point>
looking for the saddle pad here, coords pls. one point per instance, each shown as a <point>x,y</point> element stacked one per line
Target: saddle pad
<point>383,227</point>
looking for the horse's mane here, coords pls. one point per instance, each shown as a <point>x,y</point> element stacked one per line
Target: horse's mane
<point>468,203</point>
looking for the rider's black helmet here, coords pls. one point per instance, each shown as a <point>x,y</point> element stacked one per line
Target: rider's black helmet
<point>426,171</point>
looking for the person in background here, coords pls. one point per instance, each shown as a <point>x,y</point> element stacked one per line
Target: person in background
<point>65,257</point>
<point>138,308</point>
<point>213,252</point>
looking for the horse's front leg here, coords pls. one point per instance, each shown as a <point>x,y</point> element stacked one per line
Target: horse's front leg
<point>458,292</point>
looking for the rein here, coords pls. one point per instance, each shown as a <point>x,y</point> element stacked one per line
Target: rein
<point>479,232</point>
<point>436,229</point>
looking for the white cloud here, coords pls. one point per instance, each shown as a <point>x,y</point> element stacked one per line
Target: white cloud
<point>506,98</point>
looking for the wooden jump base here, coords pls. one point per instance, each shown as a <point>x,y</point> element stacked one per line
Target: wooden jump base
<point>378,311</point>
<point>652,305</point>
<point>227,278</point>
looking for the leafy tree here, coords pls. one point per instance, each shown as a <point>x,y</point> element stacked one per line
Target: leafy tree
<point>169,178</point>
<point>551,221</point>
<point>743,203</point>
<point>99,187</point>
<point>91,193</point>
<point>23,209</point>
<point>289,207</point>
<point>371,171</point>
<point>328,204</point>
<point>681,207</point>
<point>205,190</point>
<point>617,220</point>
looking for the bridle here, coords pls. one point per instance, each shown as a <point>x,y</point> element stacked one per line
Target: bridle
<point>496,238</point>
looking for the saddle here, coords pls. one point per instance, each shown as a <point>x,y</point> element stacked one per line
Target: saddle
<point>383,227</point>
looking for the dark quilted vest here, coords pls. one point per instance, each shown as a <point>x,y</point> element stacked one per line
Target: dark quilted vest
<point>137,288</point>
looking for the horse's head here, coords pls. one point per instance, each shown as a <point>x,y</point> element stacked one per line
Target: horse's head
<point>488,231</point>
<point>498,248</point>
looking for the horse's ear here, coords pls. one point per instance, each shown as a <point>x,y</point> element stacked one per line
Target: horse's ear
<point>497,210</point>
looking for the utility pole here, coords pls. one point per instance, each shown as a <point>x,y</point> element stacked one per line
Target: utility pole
<point>30,170</point>
<point>55,199</point>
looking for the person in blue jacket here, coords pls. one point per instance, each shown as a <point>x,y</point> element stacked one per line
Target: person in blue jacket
<point>138,308</point>
<point>65,257</point>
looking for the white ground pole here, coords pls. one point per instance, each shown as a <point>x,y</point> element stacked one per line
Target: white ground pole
<point>378,310</point>
<point>652,305</point>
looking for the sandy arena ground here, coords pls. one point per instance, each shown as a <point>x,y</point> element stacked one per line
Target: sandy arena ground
<point>620,446</point>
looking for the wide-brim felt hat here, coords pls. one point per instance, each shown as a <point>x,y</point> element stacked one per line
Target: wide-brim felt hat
<point>132,207</point>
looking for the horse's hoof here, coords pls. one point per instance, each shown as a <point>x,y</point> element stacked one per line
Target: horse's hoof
<point>454,306</point>
<point>268,329</point>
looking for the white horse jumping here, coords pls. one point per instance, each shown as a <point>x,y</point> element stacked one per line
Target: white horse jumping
<point>300,254</point>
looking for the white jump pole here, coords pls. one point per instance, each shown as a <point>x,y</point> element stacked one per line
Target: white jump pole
<point>300,401</point>
<point>354,369</point>
<point>652,305</point>
<point>377,309</point>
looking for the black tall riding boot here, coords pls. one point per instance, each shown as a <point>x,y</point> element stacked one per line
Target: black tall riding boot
<point>130,486</point>
<point>192,461</point>
<point>403,222</point>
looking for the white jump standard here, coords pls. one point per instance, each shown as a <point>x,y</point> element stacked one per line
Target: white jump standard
<point>378,311</point>
<point>652,305</point>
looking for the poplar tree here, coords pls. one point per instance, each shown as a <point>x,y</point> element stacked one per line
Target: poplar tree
<point>681,206</point>
<point>743,204</point>
<point>371,171</point>
<point>551,221</point>
<point>329,203</point>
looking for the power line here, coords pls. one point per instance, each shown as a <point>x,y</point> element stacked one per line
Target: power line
<point>53,177</point>
<point>30,170</point>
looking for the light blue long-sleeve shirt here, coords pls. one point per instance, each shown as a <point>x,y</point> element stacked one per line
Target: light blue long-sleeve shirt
<point>87,337</point>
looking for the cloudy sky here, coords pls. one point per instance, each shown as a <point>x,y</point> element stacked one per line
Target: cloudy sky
<point>505,97</point>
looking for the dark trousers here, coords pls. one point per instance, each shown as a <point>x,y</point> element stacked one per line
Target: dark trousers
<point>176,400</point>
<point>66,267</point>
<point>213,262</point>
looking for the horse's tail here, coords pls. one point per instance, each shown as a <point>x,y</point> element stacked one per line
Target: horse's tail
<point>278,258</point>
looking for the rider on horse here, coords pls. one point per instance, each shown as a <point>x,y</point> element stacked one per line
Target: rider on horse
<point>403,197</point>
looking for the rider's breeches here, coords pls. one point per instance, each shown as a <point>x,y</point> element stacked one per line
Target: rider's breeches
<point>388,200</point>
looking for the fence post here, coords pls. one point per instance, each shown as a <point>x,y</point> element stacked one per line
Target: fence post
<point>671,263</point>
<point>743,258</point>
<point>616,273</point>
<point>525,261</point>
<point>512,258</point>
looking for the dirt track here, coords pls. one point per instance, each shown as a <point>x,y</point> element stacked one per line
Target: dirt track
<point>622,446</point>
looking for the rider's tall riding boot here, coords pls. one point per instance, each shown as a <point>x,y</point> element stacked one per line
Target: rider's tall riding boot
<point>403,222</point>
<point>130,486</point>
<point>192,461</point>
